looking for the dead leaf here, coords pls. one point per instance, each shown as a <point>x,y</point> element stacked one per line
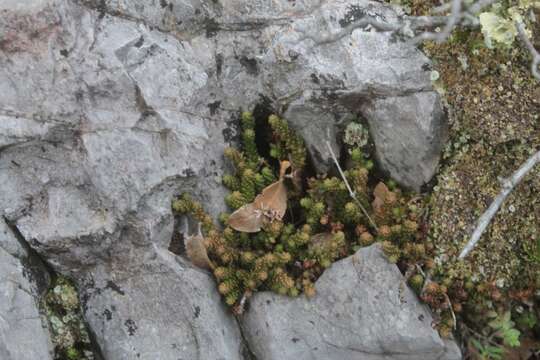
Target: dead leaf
<point>270,204</point>
<point>247,219</point>
<point>380,192</point>
<point>196,252</point>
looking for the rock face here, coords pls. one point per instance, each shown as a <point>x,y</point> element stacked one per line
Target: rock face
<point>110,108</point>
<point>165,309</point>
<point>23,332</point>
<point>362,310</point>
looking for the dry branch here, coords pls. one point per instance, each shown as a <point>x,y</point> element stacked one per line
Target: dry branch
<point>528,44</point>
<point>507,188</point>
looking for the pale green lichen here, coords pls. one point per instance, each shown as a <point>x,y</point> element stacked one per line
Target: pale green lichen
<point>497,30</point>
<point>356,135</point>
<point>69,334</point>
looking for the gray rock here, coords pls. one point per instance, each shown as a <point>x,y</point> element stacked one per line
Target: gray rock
<point>24,334</point>
<point>161,309</point>
<point>406,131</point>
<point>362,310</point>
<point>114,100</point>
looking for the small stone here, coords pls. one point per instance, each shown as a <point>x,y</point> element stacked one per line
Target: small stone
<point>371,322</point>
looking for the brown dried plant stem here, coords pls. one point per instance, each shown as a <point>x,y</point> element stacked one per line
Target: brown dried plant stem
<point>351,192</point>
<point>507,188</point>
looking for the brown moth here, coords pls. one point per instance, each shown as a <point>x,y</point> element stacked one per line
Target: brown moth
<point>196,251</point>
<point>270,204</point>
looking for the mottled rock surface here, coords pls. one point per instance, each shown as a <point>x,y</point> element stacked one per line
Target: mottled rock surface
<point>23,331</point>
<point>163,309</point>
<point>362,310</point>
<point>110,108</point>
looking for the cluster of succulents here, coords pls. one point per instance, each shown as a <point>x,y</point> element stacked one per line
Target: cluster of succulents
<point>322,223</point>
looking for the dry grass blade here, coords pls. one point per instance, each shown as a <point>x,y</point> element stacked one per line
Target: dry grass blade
<point>351,192</point>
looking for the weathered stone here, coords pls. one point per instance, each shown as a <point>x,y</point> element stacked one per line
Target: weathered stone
<point>162,309</point>
<point>409,133</point>
<point>23,331</point>
<point>111,102</point>
<point>362,310</point>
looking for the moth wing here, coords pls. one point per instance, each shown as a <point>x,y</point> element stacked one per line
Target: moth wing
<point>274,198</point>
<point>246,219</point>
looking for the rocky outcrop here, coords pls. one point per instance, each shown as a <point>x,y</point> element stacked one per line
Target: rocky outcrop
<point>362,310</point>
<point>110,108</point>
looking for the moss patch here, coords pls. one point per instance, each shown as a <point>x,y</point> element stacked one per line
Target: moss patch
<point>494,108</point>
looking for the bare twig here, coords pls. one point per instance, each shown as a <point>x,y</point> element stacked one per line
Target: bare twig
<point>459,16</point>
<point>535,55</point>
<point>507,188</point>
<point>351,192</point>
<point>479,5</point>
<point>452,20</point>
